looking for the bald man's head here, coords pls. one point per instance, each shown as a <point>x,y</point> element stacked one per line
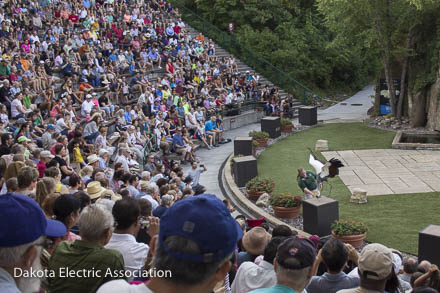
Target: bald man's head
<point>410,265</point>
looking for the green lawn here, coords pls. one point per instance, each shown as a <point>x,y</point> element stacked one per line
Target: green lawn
<point>394,220</point>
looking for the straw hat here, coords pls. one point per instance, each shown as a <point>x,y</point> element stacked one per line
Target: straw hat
<point>255,240</point>
<point>95,190</point>
<point>92,159</point>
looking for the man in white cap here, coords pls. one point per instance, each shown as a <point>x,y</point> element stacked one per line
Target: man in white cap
<point>87,106</point>
<point>103,158</point>
<point>375,268</point>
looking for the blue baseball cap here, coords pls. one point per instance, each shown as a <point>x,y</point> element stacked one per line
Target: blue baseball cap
<point>51,126</point>
<point>23,221</point>
<point>205,220</point>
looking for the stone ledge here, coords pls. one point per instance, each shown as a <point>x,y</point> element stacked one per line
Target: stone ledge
<point>245,202</point>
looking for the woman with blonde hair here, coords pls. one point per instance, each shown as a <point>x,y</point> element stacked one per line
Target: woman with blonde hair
<point>45,186</point>
<point>86,173</point>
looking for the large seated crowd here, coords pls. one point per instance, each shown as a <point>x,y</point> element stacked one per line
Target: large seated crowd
<point>101,103</point>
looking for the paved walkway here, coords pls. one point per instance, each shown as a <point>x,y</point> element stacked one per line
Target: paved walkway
<point>389,171</point>
<point>354,108</point>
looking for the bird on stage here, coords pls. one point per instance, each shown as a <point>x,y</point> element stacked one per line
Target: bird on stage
<point>325,170</point>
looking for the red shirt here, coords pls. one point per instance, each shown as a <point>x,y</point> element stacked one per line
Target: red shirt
<point>73,18</point>
<point>41,167</point>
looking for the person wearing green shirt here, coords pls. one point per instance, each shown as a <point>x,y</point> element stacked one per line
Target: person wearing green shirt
<point>84,265</point>
<point>308,184</point>
<point>176,101</point>
<point>186,107</point>
<point>4,69</point>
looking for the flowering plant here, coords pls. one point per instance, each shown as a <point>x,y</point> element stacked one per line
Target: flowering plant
<point>260,185</point>
<point>259,134</point>
<point>348,228</point>
<point>285,200</point>
<point>285,122</point>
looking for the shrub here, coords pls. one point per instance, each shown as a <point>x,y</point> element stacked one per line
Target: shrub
<point>259,134</point>
<point>348,228</point>
<point>285,122</point>
<point>285,200</point>
<point>260,185</point>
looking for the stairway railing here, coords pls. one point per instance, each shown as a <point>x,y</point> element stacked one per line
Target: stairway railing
<point>227,41</point>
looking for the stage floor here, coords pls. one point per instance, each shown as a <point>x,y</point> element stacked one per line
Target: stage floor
<point>389,171</point>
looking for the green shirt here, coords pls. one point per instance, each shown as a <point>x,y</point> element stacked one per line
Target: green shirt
<point>4,70</point>
<point>82,266</point>
<point>309,182</point>
<point>27,102</point>
<point>186,106</point>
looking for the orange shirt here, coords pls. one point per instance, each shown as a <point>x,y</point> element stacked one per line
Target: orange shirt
<point>200,38</point>
<point>84,86</point>
<point>84,48</point>
<point>24,64</point>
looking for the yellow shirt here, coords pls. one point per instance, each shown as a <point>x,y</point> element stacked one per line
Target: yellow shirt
<point>166,94</point>
<point>77,157</point>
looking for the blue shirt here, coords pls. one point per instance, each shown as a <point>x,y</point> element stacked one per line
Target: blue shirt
<point>86,4</point>
<point>332,283</point>
<point>275,289</point>
<point>7,283</point>
<point>177,140</point>
<point>209,125</point>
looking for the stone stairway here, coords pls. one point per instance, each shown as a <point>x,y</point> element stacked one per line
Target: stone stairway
<point>242,68</point>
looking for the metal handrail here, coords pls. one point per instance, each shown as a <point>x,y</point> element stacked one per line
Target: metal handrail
<point>261,65</point>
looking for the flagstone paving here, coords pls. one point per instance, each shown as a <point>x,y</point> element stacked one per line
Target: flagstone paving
<point>389,171</point>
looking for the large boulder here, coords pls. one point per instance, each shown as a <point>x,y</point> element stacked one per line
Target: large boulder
<point>358,196</point>
<point>263,200</point>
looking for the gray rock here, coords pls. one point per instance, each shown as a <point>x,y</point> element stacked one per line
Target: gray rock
<point>263,200</point>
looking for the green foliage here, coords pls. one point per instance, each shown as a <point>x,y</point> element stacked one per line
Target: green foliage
<point>285,200</point>
<point>259,134</point>
<point>348,227</point>
<point>285,122</point>
<point>260,185</point>
<point>293,36</point>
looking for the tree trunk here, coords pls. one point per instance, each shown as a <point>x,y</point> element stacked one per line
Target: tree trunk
<point>377,98</point>
<point>403,85</point>
<point>386,46</point>
<point>419,109</point>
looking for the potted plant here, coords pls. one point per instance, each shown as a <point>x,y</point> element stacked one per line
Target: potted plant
<point>349,231</point>
<point>255,146</point>
<point>286,125</point>
<point>257,186</point>
<point>260,136</point>
<point>286,206</point>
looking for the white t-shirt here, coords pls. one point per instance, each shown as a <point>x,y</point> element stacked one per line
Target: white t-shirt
<point>16,103</point>
<point>118,286</point>
<point>61,125</point>
<point>86,108</point>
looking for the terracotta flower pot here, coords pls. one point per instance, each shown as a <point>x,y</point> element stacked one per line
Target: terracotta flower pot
<point>254,195</point>
<point>287,128</point>
<point>355,240</point>
<point>287,213</point>
<point>262,142</point>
